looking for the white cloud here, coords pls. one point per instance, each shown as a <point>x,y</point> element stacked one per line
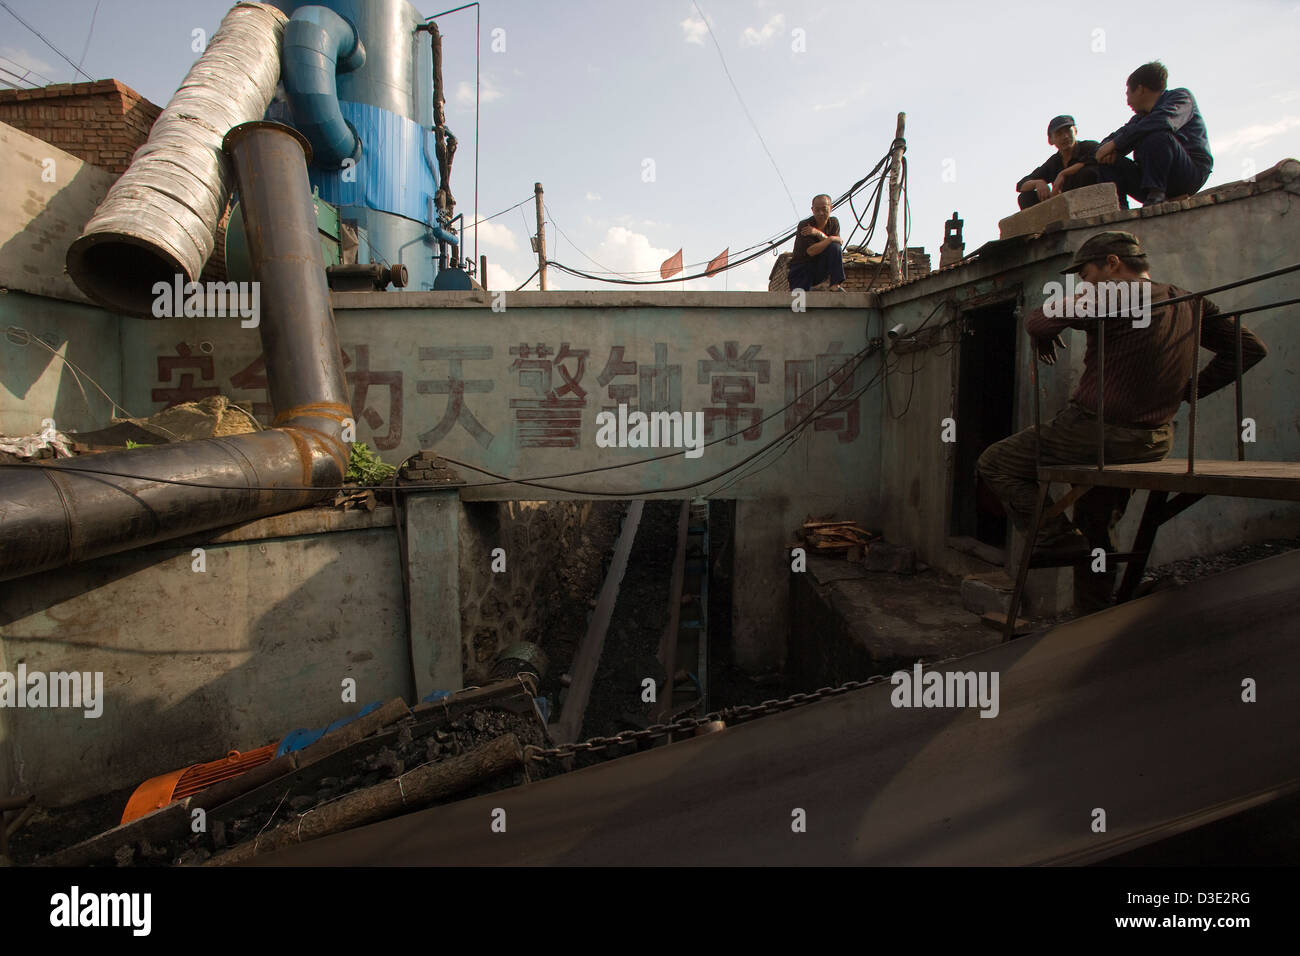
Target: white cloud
<point>28,61</point>
<point>500,278</point>
<point>765,35</point>
<point>1254,136</point>
<point>694,30</point>
<point>627,251</point>
<point>593,197</point>
<point>837,105</point>
<point>495,236</point>
<point>1287,96</point>
<point>465,93</point>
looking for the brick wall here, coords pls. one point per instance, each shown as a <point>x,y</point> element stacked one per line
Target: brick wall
<point>102,123</point>
<point>861,267</point>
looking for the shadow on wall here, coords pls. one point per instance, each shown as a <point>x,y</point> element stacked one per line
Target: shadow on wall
<point>87,333</point>
<point>197,664</point>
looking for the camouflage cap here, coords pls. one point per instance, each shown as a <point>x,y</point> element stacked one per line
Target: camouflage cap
<point>1102,245</point>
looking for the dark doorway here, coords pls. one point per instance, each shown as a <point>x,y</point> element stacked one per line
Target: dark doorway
<point>986,389</point>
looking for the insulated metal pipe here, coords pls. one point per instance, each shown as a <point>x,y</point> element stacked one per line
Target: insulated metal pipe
<point>54,515</point>
<point>159,219</point>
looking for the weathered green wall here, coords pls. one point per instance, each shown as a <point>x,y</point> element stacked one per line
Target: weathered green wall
<point>447,371</point>
<point>1196,248</point>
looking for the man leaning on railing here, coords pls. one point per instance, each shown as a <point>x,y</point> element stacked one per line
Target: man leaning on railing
<point>1148,360</point>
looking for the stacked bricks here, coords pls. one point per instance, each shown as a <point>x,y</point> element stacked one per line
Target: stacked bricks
<point>102,123</point>
<point>860,268</point>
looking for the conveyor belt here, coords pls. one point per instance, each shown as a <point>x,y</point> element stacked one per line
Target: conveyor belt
<point>1136,710</point>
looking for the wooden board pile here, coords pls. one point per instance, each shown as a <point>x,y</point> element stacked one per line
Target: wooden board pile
<point>840,539</point>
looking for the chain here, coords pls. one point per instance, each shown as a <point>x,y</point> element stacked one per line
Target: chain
<point>728,715</point>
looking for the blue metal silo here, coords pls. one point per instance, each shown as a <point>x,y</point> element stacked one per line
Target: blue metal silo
<point>358,83</point>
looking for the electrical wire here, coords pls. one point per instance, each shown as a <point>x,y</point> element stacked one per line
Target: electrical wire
<point>45,41</point>
<point>89,33</point>
<point>547,207</point>
<point>741,100</point>
<point>27,68</point>
<point>741,256</point>
<point>640,492</point>
<point>860,356</point>
<point>510,209</point>
<point>30,337</point>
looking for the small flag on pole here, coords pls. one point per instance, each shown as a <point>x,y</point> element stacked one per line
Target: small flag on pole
<point>718,264</point>
<point>671,266</point>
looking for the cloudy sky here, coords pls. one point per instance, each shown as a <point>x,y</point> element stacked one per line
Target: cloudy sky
<point>624,111</point>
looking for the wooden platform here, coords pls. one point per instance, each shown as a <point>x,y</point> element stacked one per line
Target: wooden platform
<point>1278,480</point>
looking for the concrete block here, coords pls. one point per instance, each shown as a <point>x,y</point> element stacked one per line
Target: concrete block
<point>1059,210</point>
<point>891,558</point>
<point>433,562</point>
<point>982,593</point>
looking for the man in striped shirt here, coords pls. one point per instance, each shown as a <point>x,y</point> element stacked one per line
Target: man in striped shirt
<point>1149,358</point>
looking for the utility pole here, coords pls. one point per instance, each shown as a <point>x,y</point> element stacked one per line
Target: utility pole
<point>897,256</point>
<point>541,236</point>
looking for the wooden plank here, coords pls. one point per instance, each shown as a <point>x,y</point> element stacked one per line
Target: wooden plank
<point>587,657</point>
<point>998,621</point>
<point>1274,480</point>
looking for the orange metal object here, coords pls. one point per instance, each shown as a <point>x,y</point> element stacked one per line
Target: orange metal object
<point>157,792</point>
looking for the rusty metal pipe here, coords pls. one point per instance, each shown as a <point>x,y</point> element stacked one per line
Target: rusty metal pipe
<point>54,515</point>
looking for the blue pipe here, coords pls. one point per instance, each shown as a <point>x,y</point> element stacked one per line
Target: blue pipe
<point>318,45</point>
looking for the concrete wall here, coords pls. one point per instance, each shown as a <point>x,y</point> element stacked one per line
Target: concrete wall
<point>36,383</point>
<point>257,644</point>
<point>196,663</point>
<point>1251,234</point>
<point>446,371</point>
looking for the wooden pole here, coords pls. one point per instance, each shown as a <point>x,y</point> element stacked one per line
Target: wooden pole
<point>541,236</point>
<point>895,171</point>
<point>414,789</point>
<point>482,272</point>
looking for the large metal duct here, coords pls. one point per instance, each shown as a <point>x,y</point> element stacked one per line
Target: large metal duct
<point>318,45</point>
<point>57,514</point>
<point>158,219</point>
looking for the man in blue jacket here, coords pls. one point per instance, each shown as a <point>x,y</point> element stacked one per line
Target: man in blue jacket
<point>1171,151</point>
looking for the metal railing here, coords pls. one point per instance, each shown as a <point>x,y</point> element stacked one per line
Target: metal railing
<point>1198,298</point>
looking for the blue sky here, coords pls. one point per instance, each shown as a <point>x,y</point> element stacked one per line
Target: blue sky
<point>585,92</point>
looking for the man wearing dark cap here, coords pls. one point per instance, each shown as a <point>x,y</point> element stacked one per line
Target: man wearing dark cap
<point>1167,137</point>
<point>1149,356</point>
<point>1071,166</point>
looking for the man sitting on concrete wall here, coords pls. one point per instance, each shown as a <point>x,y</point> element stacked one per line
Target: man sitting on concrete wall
<point>1149,356</point>
<point>817,253</point>
<point>1073,165</point>
<point>1171,150</point>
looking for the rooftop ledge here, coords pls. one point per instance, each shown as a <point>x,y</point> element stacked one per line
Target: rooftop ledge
<point>599,299</point>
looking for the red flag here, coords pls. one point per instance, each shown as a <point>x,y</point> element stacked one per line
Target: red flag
<point>671,266</point>
<point>718,264</point>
